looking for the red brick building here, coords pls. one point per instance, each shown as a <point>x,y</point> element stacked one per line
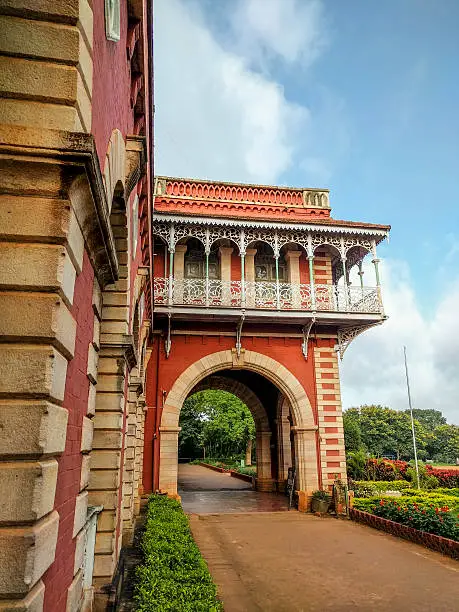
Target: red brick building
<point>75,301</point>
<point>252,295</point>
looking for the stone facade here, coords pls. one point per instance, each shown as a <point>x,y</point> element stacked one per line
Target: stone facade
<point>67,184</point>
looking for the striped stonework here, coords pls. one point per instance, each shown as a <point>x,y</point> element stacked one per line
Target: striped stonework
<point>322,270</point>
<point>331,431</point>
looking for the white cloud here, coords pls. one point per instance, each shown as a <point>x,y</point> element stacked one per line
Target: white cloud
<point>293,30</point>
<point>216,116</point>
<point>372,371</point>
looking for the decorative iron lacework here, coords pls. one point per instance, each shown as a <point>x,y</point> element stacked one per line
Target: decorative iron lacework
<point>173,230</point>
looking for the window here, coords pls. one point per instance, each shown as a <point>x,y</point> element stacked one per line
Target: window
<point>135,225</point>
<point>112,20</point>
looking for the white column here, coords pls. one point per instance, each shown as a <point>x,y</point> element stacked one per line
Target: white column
<point>293,264</point>
<point>225,271</point>
<point>168,459</point>
<point>249,277</point>
<point>284,451</point>
<point>305,439</point>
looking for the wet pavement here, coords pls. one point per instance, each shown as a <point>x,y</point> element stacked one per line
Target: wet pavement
<point>204,491</point>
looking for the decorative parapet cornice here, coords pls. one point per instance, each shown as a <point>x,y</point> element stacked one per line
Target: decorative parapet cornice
<point>194,189</point>
<point>136,160</point>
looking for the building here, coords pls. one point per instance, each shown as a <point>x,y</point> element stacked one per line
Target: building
<point>252,295</point>
<point>75,294</point>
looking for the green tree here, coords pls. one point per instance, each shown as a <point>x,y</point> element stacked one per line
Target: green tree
<point>352,433</point>
<point>217,421</point>
<point>443,444</point>
<point>429,418</point>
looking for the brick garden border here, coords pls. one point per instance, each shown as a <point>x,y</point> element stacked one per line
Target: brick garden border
<point>214,467</point>
<point>429,540</point>
<point>245,477</point>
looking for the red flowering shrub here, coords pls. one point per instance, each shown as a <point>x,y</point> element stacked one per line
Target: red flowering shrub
<point>440,521</point>
<point>446,478</point>
<point>383,469</point>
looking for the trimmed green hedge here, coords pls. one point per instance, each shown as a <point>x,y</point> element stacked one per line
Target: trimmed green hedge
<point>174,576</point>
<point>423,499</point>
<point>370,488</point>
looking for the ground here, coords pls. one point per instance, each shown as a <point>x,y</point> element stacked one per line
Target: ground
<point>291,562</point>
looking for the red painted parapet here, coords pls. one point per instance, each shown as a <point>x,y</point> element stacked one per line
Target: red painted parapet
<point>257,194</point>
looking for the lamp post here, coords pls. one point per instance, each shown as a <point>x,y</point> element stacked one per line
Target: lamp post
<point>412,420</point>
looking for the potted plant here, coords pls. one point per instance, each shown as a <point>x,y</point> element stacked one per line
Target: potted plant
<point>320,501</point>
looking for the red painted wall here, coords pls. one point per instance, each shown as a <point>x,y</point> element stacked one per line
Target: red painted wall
<point>60,575</point>
<point>111,82</point>
<point>188,349</point>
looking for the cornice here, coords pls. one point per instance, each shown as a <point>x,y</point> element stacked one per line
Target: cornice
<point>332,228</point>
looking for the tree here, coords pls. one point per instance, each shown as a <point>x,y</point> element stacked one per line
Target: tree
<point>429,418</point>
<point>352,433</point>
<point>443,444</point>
<point>217,421</point>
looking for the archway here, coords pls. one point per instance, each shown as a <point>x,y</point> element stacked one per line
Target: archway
<point>304,428</point>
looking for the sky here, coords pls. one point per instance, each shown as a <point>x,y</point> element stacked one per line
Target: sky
<point>359,97</point>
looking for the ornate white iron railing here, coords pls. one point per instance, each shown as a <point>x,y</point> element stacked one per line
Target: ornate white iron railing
<point>267,295</point>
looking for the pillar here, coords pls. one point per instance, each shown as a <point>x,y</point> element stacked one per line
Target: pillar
<point>168,459</point>
<point>284,451</point>
<point>264,476</point>
<point>225,273</point>
<point>179,272</point>
<point>331,430</point>
<point>293,271</point>
<point>307,478</point>
<point>248,453</point>
<point>250,277</point>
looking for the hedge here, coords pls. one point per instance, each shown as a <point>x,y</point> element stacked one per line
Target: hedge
<point>423,499</point>
<point>370,488</point>
<point>173,576</point>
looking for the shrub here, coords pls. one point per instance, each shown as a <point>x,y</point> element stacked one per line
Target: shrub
<point>426,479</point>
<point>173,576</point>
<point>371,488</point>
<point>356,461</point>
<point>445,477</point>
<point>437,520</point>
<point>424,500</point>
<point>249,471</point>
<point>382,469</point>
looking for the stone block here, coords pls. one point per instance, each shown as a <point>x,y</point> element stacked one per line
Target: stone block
<point>42,219</point>
<point>105,459</point>
<point>32,602</point>
<point>93,359</point>
<point>85,471</point>
<point>92,400</point>
<point>75,593</point>
<point>87,435</point>
<point>81,506</point>
<point>108,420</point>
<point>27,490</point>
<point>104,565</point>
<point>110,383</point>
<point>26,553</point>
<point>36,267</point>
<point>107,499</point>
<point>27,317</point>
<point>104,480</point>
<point>105,542</point>
<point>25,78</point>
<point>106,520</point>
<point>32,370</point>
<point>41,115</point>
<point>109,401</point>
<point>33,428</point>
<point>107,439</point>
<point>44,40</point>
<point>80,544</point>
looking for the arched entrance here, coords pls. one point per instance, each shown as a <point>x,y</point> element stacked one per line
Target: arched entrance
<point>303,426</point>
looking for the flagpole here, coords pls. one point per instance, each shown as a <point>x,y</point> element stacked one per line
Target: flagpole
<point>412,419</point>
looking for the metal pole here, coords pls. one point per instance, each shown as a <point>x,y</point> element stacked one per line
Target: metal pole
<point>412,420</point>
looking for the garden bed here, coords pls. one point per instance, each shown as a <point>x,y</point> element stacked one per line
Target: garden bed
<point>430,540</point>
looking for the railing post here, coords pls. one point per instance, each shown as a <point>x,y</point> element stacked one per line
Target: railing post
<point>375,262</point>
<point>311,273</point>
<point>171,276</point>
<point>207,278</point>
<point>276,257</point>
<point>243,279</point>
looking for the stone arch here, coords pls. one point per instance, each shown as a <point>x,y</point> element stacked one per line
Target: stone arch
<point>305,429</point>
<point>243,392</point>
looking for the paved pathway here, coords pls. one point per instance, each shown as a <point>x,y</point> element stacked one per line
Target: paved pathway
<point>204,491</point>
<point>291,562</point>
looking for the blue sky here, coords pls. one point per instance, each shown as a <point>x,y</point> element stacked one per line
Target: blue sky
<point>361,97</point>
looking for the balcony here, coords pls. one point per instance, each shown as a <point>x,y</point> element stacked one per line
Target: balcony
<point>217,294</point>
